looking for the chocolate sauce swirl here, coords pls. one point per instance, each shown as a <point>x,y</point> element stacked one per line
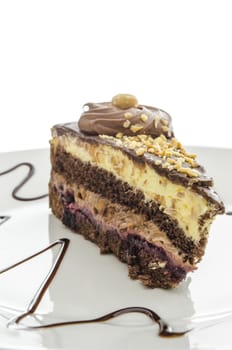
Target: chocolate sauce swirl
<point>4,218</point>
<point>31,171</point>
<point>164,329</point>
<point>108,119</point>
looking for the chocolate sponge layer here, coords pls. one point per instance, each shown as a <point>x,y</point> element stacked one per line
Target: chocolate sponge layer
<point>102,182</point>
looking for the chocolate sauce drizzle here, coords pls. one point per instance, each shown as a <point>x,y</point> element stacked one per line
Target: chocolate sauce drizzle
<point>31,171</point>
<point>4,218</point>
<point>164,329</point>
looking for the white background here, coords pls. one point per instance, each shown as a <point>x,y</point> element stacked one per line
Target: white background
<point>57,55</point>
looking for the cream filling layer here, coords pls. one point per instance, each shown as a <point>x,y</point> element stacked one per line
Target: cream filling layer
<point>179,202</point>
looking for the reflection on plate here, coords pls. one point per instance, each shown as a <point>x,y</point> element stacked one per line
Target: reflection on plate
<point>89,285</point>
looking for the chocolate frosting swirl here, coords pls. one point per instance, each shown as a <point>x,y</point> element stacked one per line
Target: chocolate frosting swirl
<point>108,119</point>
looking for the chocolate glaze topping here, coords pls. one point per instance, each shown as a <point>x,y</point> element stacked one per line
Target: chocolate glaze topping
<point>108,119</point>
<point>31,171</point>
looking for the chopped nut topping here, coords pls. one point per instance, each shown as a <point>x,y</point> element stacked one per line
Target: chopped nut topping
<point>171,161</point>
<point>144,118</point>
<point>156,121</point>
<point>165,128</point>
<point>126,124</point>
<point>190,161</point>
<point>136,127</point>
<point>189,172</point>
<point>128,115</point>
<point>163,138</point>
<point>192,155</point>
<point>164,122</point>
<point>119,135</point>
<point>170,151</point>
<point>166,165</point>
<point>132,145</point>
<point>124,101</point>
<point>140,151</point>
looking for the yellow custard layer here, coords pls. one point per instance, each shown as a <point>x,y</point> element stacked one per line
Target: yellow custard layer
<point>179,202</point>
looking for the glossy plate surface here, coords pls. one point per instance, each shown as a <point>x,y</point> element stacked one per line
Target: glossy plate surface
<point>89,285</point>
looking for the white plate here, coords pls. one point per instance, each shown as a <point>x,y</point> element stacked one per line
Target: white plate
<point>88,284</point>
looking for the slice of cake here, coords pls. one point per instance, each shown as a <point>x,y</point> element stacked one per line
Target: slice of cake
<point>121,179</point>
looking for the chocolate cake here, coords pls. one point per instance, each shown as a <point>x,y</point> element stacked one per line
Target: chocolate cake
<point>121,179</point>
